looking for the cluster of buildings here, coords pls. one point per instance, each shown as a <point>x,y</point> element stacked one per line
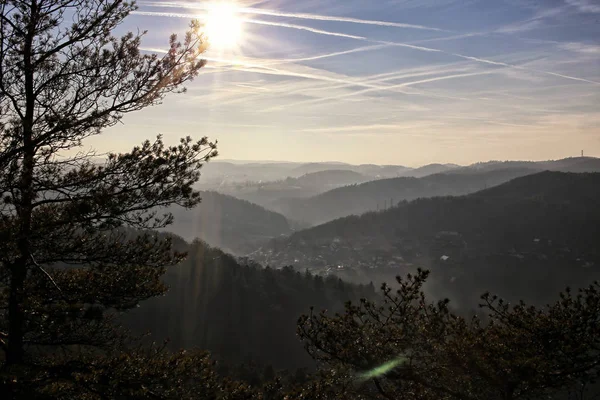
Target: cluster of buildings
<point>447,250</point>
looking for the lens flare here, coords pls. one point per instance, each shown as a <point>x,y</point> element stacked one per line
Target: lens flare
<point>382,369</point>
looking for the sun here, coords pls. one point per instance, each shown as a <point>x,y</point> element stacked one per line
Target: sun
<point>223,25</point>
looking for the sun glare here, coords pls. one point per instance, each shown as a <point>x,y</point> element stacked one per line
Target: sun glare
<point>223,25</point>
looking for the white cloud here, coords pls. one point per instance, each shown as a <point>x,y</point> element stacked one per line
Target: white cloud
<point>581,48</point>
<point>585,5</point>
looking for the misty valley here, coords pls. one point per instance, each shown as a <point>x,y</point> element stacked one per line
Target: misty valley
<point>503,227</point>
<point>171,229</point>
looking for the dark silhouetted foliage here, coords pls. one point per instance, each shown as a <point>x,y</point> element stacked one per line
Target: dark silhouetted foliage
<point>239,312</point>
<point>66,267</point>
<point>518,352</point>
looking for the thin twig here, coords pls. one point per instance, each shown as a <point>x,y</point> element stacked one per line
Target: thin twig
<point>3,343</point>
<point>45,273</point>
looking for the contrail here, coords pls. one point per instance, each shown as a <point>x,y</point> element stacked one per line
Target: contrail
<point>442,78</point>
<point>303,28</point>
<point>346,82</point>
<point>483,60</point>
<point>240,65</point>
<point>397,44</point>
<point>455,37</point>
<point>312,58</point>
<point>368,81</point>
<point>306,16</point>
<point>329,55</point>
<point>255,21</point>
<point>405,84</point>
<point>385,77</point>
<point>372,79</point>
<point>308,76</point>
<point>316,17</point>
<point>384,88</point>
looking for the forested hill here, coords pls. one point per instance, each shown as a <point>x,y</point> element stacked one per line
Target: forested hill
<point>526,238</point>
<point>332,178</point>
<point>370,196</point>
<point>228,223</point>
<point>430,169</point>
<point>571,164</point>
<point>267,194</point>
<point>554,187</point>
<point>239,312</point>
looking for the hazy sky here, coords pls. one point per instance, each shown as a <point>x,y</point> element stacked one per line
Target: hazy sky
<point>385,81</point>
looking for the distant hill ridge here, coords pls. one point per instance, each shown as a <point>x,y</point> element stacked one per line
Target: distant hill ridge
<point>556,188</point>
<point>545,222</point>
<point>571,164</point>
<point>278,187</point>
<point>380,194</point>
<point>549,186</point>
<point>249,170</point>
<point>227,222</point>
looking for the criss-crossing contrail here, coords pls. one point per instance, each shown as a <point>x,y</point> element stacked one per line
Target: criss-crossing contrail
<point>388,88</point>
<point>282,72</point>
<point>317,17</point>
<point>372,79</point>
<point>242,65</point>
<point>454,37</point>
<point>369,84</point>
<point>328,55</point>
<point>388,43</point>
<point>305,16</point>
<point>255,21</point>
<point>302,28</point>
<point>267,66</point>
<point>483,60</point>
<point>385,77</point>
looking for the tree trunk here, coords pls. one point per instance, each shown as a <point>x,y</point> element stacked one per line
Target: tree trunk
<point>16,316</point>
<point>16,301</point>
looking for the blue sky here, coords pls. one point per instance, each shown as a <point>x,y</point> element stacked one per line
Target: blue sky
<point>385,81</point>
